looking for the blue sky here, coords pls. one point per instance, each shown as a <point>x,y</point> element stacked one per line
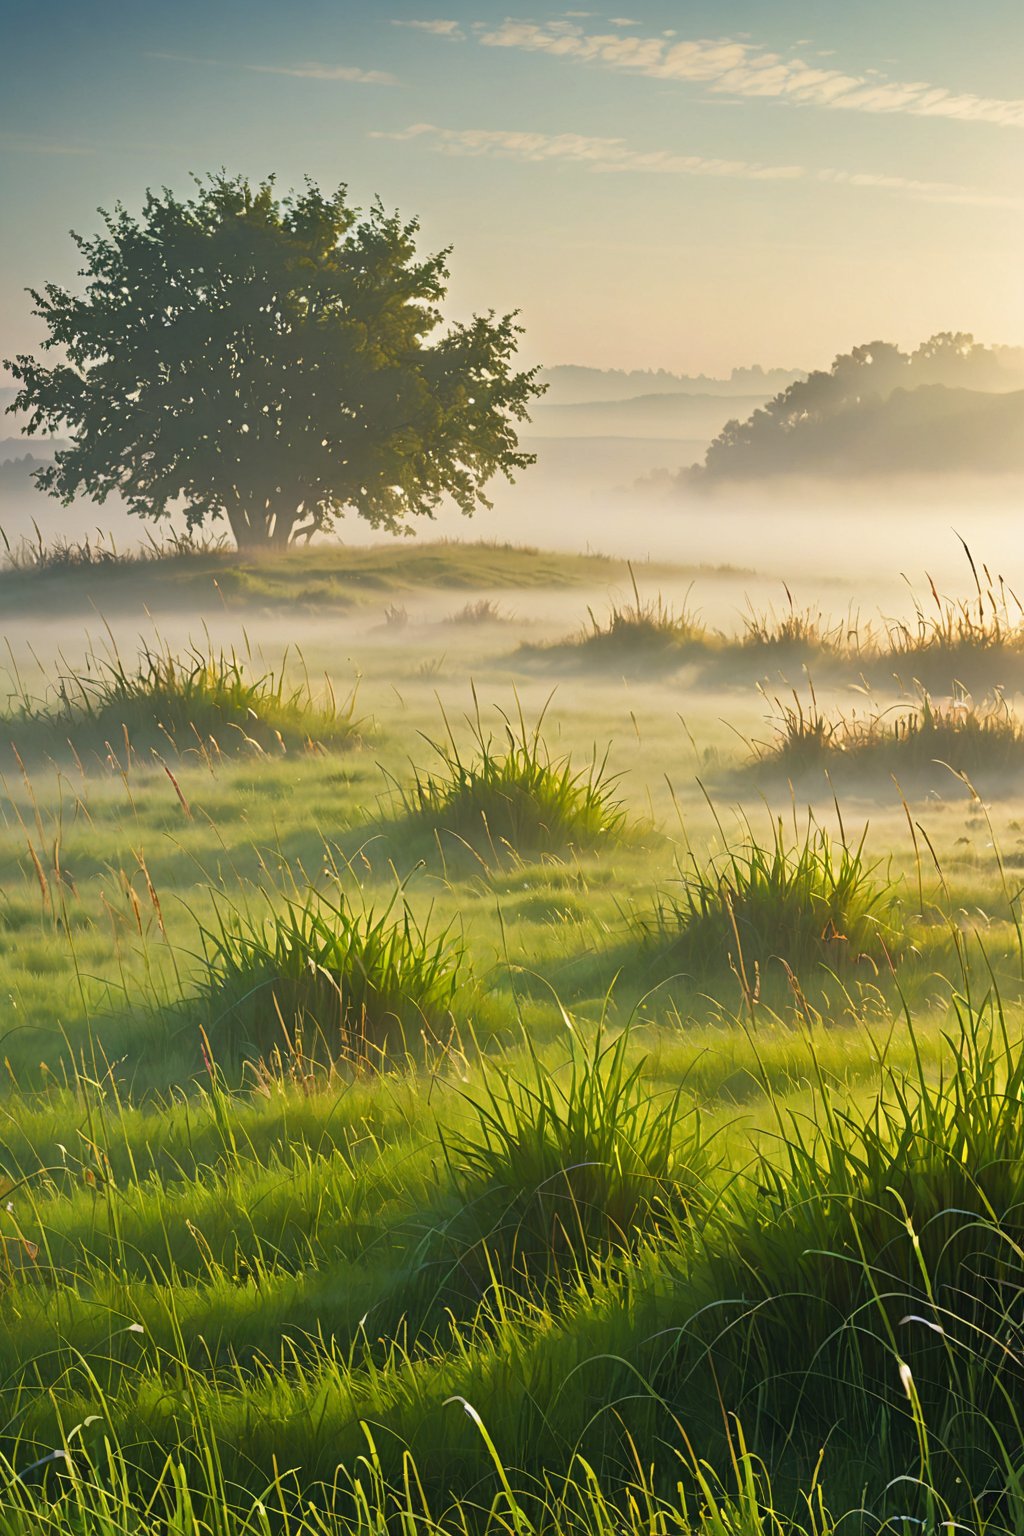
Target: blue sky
<point>686,185</point>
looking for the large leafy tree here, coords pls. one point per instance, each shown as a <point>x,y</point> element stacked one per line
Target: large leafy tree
<point>273,362</point>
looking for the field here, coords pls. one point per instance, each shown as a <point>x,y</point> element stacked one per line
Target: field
<point>508,1041</point>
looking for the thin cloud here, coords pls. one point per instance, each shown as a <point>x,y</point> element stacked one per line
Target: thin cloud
<point>345,72</point>
<point>597,154</point>
<point>609,155</point>
<point>741,69</point>
<point>440,28</point>
<point>326,72</point>
<point>924,191</point>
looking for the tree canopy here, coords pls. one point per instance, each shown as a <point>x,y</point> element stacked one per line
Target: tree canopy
<point>272,361</point>
<point>947,404</point>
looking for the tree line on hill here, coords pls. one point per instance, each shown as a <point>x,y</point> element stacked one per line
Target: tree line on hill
<point>951,404</point>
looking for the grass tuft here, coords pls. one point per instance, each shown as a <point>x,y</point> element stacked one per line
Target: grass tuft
<point>955,733</point>
<point>512,795</point>
<point>318,983</point>
<point>646,632</point>
<point>810,902</point>
<point>484,610</point>
<point>203,703</point>
<point>555,1171</point>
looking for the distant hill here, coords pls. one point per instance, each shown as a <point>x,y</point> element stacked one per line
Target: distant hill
<point>569,384</point>
<point>951,405</point>
<point>930,430</point>
<point>685,417</point>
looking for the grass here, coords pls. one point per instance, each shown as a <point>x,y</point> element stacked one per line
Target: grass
<point>805,634</point>
<point>483,610</point>
<point>512,795</point>
<point>949,644</point>
<point>645,633</point>
<point>204,703</point>
<point>955,734</point>
<point>35,556</point>
<point>315,984</point>
<point>552,1174</point>
<point>802,903</point>
<point>990,621</point>
<point>444,1234</point>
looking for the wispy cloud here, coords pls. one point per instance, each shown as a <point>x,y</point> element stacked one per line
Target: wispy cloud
<point>439,27</point>
<point>739,68</point>
<point>924,191</point>
<point>607,155</point>
<point>326,72</point>
<point>597,154</point>
<point>344,72</point>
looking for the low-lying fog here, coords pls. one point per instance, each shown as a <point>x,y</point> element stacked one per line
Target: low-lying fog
<point>833,544</point>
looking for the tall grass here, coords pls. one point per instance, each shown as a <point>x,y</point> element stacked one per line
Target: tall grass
<point>954,733</point>
<point>204,703</point>
<point>803,633</point>
<point>92,1494</point>
<point>36,555</point>
<point>802,901</point>
<point>512,795</point>
<point>955,628</point>
<point>315,982</point>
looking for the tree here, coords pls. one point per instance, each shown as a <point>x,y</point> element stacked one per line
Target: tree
<point>808,426</point>
<point>273,362</point>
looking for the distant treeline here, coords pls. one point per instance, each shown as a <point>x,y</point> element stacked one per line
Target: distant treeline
<point>950,405</point>
<point>39,448</point>
<point>569,384</point>
<point>14,473</point>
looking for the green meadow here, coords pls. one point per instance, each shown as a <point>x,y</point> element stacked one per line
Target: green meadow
<point>489,1049</point>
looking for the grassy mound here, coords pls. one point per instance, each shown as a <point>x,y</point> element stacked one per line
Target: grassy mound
<point>806,904</point>
<point>513,796</point>
<point>80,576</point>
<point>313,983</point>
<point>884,1268</point>
<point>645,633</point>
<point>553,1174</point>
<point>911,739</point>
<point>203,703</point>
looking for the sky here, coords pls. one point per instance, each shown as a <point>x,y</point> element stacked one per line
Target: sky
<point>693,185</point>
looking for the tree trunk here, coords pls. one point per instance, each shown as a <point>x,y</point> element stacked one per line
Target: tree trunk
<point>262,527</point>
<point>279,535</point>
